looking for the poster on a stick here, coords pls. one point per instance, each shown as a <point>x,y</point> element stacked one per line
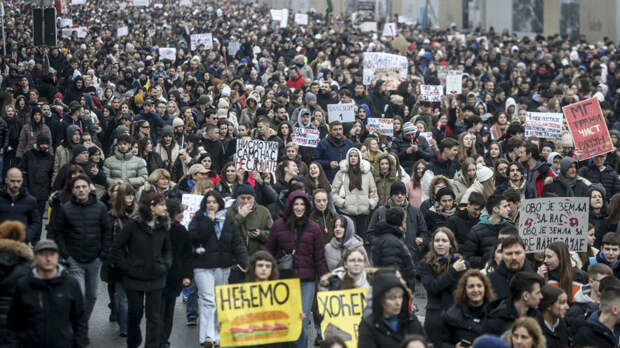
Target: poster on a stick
<point>588,128</point>
<point>383,126</point>
<point>340,112</point>
<point>375,60</point>
<point>256,155</point>
<point>544,124</point>
<point>431,93</point>
<point>543,221</point>
<point>308,137</point>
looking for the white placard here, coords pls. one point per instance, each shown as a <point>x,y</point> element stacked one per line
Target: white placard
<point>454,82</point>
<point>276,15</point>
<point>81,32</point>
<point>66,22</point>
<point>301,18</point>
<point>186,3</point>
<point>78,2</point>
<point>367,27</point>
<point>169,53</point>
<point>122,31</point>
<point>543,221</point>
<point>308,137</point>
<point>138,3</point>
<point>407,20</point>
<point>284,19</point>
<point>205,39</point>
<point>234,47</point>
<point>193,205</point>
<point>442,73</point>
<point>384,126</point>
<point>341,112</point>
<point>544,124</point>
<point>427,135</point>
<point>431,93</point>
<point>389,30</point>
<point>256,155</point>
<point>158,5</point>
<point>374,60</point>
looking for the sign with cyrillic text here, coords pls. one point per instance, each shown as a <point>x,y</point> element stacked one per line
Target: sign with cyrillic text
<point>374,60</point>
<point>587,125</point>
<point>342,313</point>
<point>205,39</point>
<point>256,155</point>
<point>431,93</point>
<point>308,137</point>
<point>192,202</point>
<point>454,82</point>
<point>341,112</point>
<point>544,124</point>
<point>384,126</point>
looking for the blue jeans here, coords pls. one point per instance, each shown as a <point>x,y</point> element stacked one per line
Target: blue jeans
<point>206,281</point>
<point>307,297</point>
<point>121,306</point>
<point>191,307</point>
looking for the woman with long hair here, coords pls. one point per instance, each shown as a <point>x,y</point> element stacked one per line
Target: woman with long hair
<point>13,131</point>
<point>466,147</point>
<point>500,125</point>
<point>613,220</point>
<point>285,132</point>
<point>316,178</point>
<point>229,180</point>
<point>495,153</point>
<point>343,240</point>
<point>598,211</point>
<point>262,267</point>
<point>557,269</point>
<point>168,148</point>
<point>207,162</point>
<point>465,318</point>
<point>152,158</point>
<point>31,131</point>
<point>440,270</point>
<point>583,258</point>
<point>323,214</point>
<point>374,150</point>
<point>494,259</point>
<point>554,305</point>
<point>414,185</point>
<point>525,333</point>
<point>464,178</point>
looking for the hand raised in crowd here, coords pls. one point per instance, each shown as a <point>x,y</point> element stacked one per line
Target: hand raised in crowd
<point>459,265</point>
<point>542,270</point>
<point>245,209</point>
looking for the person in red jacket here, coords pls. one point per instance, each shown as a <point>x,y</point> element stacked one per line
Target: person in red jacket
<point>296,235</point>
<point>295,79</point>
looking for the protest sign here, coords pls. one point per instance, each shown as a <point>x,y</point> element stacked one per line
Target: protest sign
<point>400,44</point>
<point>234,47</point>
<point>259,313</point>
<point>122,31</point>
<point>301,18</point>
<point>185,3</point>
<point>587,125</point>
<point>308,137</point>
<point>442,73</point>
<point>256,155</point>
<point>391,77</point>
<point>367,27</point>
<point>205,39</point>
<point>342,313</point>
<point>407,20</point>
<point>284,19</point>
<point>389,30</point>
<point>140,3</point>
<point>81,32</point>
<point>78,2</point>
<point>66,22</point>
<point>454,82</point>
<point>427,135</point>
<point>276,15</point>
<point>193,204</point>
<point>543,221</point>
<point>375,60</point>
<point>340,112</point>
<point>169,53</point>
<point>384,126</point>
<point>544,124</point>
<point>431,93</point>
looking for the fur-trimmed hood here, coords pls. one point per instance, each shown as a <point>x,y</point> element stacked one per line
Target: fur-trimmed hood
<point>17,250</point>
<point>377,169</point>
<point>365,166</point>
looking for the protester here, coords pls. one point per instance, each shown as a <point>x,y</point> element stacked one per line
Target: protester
<point>526,333</point>
<point>17,204</point>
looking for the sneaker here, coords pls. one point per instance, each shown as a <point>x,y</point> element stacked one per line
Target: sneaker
<point>123,334</point>
<point>191,322</point>
<point>113,318</point>
<point>208,343</point>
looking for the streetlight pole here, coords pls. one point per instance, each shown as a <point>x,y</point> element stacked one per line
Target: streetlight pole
<point>3,37</point>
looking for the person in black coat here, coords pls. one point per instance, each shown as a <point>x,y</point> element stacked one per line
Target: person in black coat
<point>445,163</point>
<point>553,307</point>
<point>144,254</point>
<point>568,184</point>
<point>390,321</point>
<point>513,261</point>
<point>38,167</point>
<point>599,328</point>
<point>598,173</point>
<point>180,271</point>
<point>410,146</point>
<point>465,218</point>
<point>440,270</point>
<point>17,204</point>
<point>598,212</point>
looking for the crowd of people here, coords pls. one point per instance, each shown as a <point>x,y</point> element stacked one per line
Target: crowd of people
<point>101,138</point>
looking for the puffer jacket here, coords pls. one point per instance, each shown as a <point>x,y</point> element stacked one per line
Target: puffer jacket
<point>336,248</point>
<point>460,185</point>
<point>389,250</point>
<point>400,146</point>
<point>14,264</point>
<point>356,202</point>
<point>608,178</point>
<point>460,322</point>
<point>309,258</point>
<point>38,167</point>
<point>28,137</point>
<point>479,244</point>
<point>461,224</point>
<point>83,231</point>
<point>384,182</point>
<point>125,166</point>
<point>23,209</point>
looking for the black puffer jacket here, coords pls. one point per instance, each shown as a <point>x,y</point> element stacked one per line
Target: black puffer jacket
<point>14,264</point>
<point>83,231</point>
<point>557,338</point>
<point>479,245</point>
<point>461,225</point>
<point>23,209</point>
<point>502,314</point>
<point>580,190</point>
<point>181,244</point>
<point>461,322</point>
<point>38,168</point>
<point>608,178</point>
<point>400,146</point>
<point>595,334</point>
<point>389,250</point>
<point>500,278</point>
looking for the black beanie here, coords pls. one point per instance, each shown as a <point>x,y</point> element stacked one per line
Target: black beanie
<point>43,139</point>
<point>394,216</point>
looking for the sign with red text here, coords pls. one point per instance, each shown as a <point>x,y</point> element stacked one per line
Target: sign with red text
<point>454,82</point>
<point>192,202</point>
<point>384,126</point>
<point>256,155</point>
<point>431,93</point>
<point>205,39</point>
<point>375,60</point>
<point>308,137</point>
<point>544,124</point>
<point>587,125</point>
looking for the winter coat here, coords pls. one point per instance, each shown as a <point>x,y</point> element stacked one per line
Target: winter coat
<point>460,224</point>
<point>336,248</point>
<point>389,250</point>
<point>15,258</point>
<point>126,167</point>
<point>595,334</point>
<point>500,278</point>
<point>326,221</point>
<point>479,244</point>
<point>82,230</point>
<point>460,185</point>
<point>557,338</point>
<point>502,313</point>
<point>608,178</point>
<point>143,254</point>
<point>309,258</point>
<point>580,190</point>
<point>259,218</point>
<point>223,252</point>
<point>461,322</point>
<point>400,146</point>
<point>61,177</point>
<point>38,168</point>
<point>439,287</point>
<point>537,178</point>
<point>526,191</point>
<point>374,330</point>
<point>48,312</point>
<point>600,258</point>
<point>22,208</point>
<point>181,244</point>
<point>356,202</point>
<point>436,218</point>
<point>384,182</point>
<point>28,138</point>
<point>439,166</point>
<point>599,220</point>
<point>168,163</point>
<point>216,150</point>
<point>328,151</point>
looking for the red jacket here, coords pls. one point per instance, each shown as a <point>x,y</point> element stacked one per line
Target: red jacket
<point>297,84</point>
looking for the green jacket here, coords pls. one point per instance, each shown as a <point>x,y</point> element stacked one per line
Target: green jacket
<point>126,167</point>
<point>260,219</point>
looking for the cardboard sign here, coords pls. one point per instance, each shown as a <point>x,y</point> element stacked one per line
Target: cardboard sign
<point>384,126</point>
<point>308,137</point>
<point>256,155</point>
<point>544,124</point>
<point>138,3</point>
<point>375,60</point>
<point>367,27</point>
<point>169,53</point>
<point>253,314</point>
<point>543,221</point>
<point>205,39</point>
<point>391,77</point>
<point>454,82</point>
<point>122,31</point>
<point>301,18</point>
<point>400,44</point>
<point>186,3</point>
<point>389,30</point>
<point>341,112</point>
<point>587,125</point>
<point>66,22</point>
<point>431,93</point>
<point>193,204</point>
<point>234,47</point>
<point>78,2</point>
<point>342,313</point>
<point>284,19</point>
<point>81,32</point>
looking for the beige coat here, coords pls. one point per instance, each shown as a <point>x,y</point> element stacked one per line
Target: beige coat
<point>356,202</point>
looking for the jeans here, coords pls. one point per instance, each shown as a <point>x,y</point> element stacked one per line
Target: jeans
<point>138,301</point>
<point>87,276</point>
<point>120,306</point>
<point>307,297</point>
<point>191,308</point>
<point>206,281</point>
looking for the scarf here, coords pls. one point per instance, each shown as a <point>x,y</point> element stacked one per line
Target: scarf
<point>220,216</point>
<point>355,177</point>
<point>350,283</point>
<point>446,213</point>
<point>569,184</point>
<point>391,204</point>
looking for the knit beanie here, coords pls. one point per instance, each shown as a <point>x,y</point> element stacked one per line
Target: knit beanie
<point>483,173</point>
<point>398,187</point>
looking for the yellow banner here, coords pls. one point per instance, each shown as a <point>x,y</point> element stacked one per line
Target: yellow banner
<point>259,313</point>
<point>342,313</point>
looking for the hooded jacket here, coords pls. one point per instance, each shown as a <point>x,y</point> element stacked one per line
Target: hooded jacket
<point>384,182</point>
<point>29,134</point>
<point>336,248</point>
<point>125,166</point>
<point>356,202</point>
<point>63,151</point>
<point>389,250</point>
<point>560,187</point>
<point>309,258</point>
<point>479,244</point>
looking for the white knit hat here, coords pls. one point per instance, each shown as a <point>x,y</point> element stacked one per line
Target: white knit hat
<point>483,173</point>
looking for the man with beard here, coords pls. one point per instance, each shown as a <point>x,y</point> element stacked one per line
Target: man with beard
<point>517,182</point>
<point>568,184</point>
<point>332,149</point>
<point>325,96</point>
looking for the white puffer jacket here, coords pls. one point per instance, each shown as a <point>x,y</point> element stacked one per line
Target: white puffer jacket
<point>356,202</point>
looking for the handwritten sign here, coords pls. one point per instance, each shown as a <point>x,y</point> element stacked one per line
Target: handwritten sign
<point>234,47</point>
<point>308,137</point>
<point>78,2</point>
<point>122,31</point>
<point>587,125</point>
<point>407,20</point>
<point>205,39</point>
<point>301,18</point>
<point>544,124</point>
<point>442,73</point>
<point>391,77</point>
<point>384,126</point>
<point>256,155</point>
<point>342,313</point>
<point>276,15</point>
<point>193,204</point>
<point>259,313</point>
<point>81,32</point>
<point>431,93</point>
<point>375,60</point>
<point>341,112</point>
<point>543,221</point>
<point>367,27</point>
<point>169,53</point>
<point>66,22</point>
<point>389,30</point>
<point>138,3</point>
<point>186,3</point>
<point>427,135</point>
<point>454,82</point>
